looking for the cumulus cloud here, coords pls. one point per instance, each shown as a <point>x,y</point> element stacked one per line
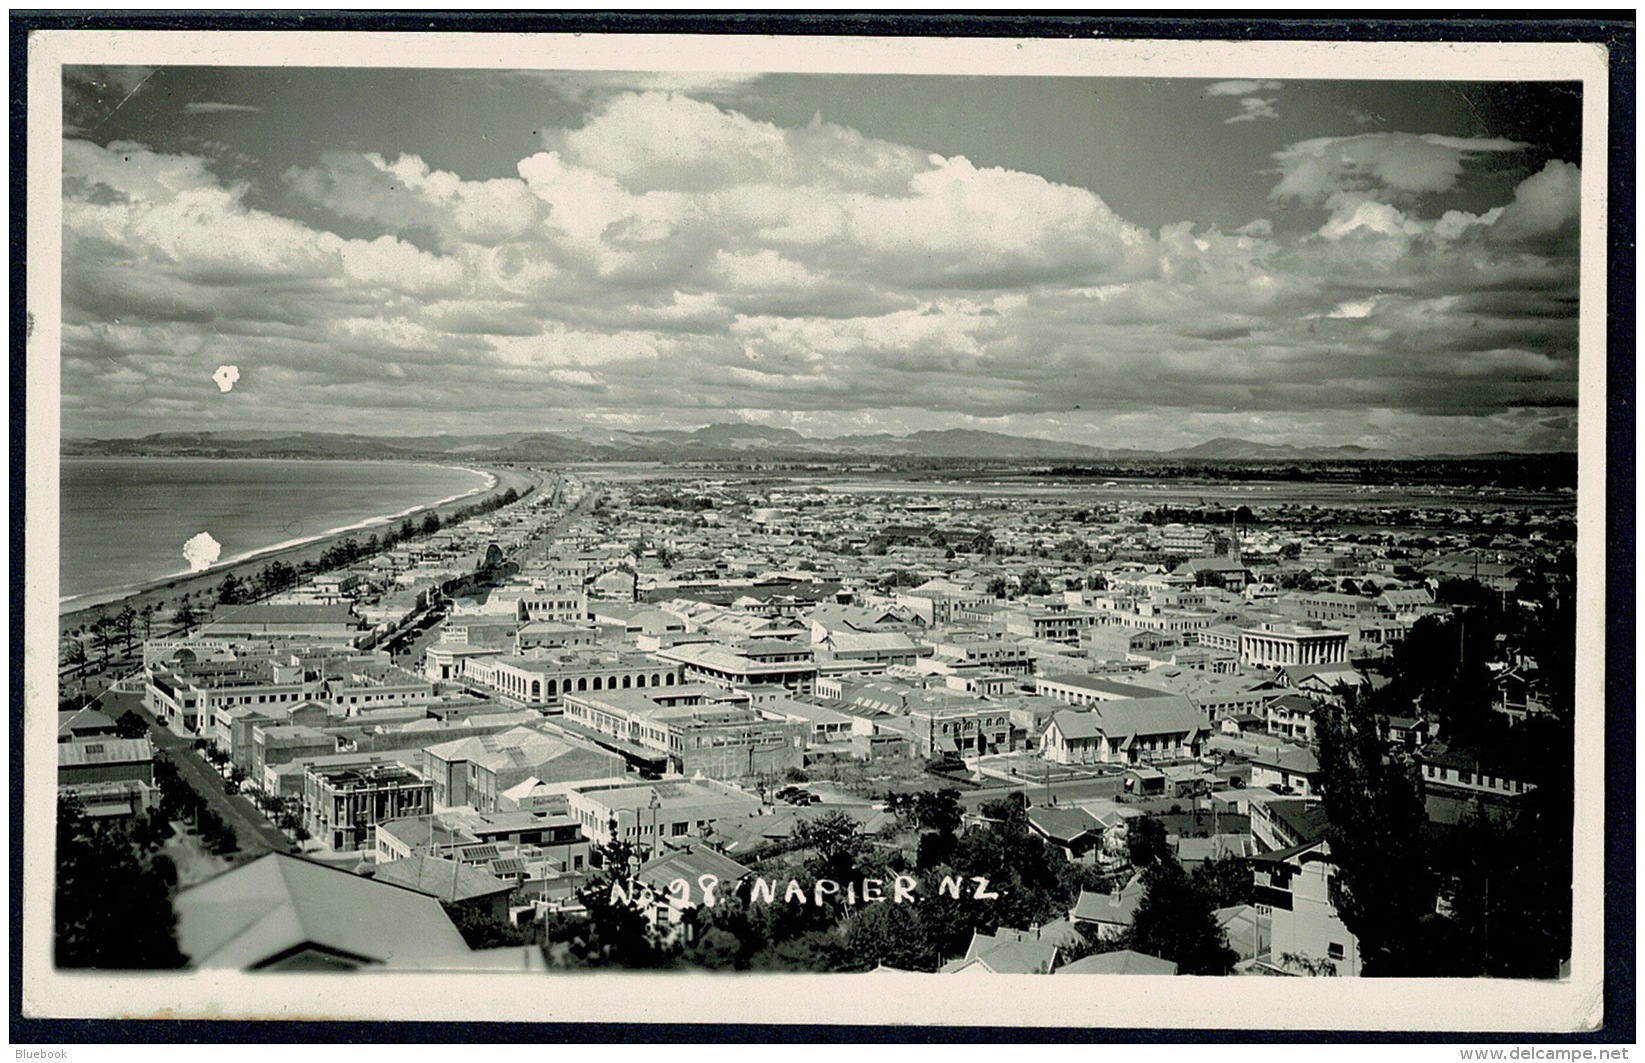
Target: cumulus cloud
<point>1242,88</point>
<point>1396,166</point>
<point>678,261</point>
<point>1251,109</point>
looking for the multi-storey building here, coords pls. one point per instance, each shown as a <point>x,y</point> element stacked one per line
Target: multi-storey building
<point>761,663</point>
<point>1293,890</point>
<point>544,678</point>
<point>275,744</point>
<point>475,771</point>
<point>1275,645</point>
<point>646,813</point>
<point>343,803</point>
<point>694,730</point>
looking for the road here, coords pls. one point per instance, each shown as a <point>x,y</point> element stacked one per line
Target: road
<point>252,830</point>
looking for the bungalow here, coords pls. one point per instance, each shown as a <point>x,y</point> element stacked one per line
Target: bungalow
<point>453,883</point>
<point>1007,952</point>
<point>1073,830</point>
<point>1107,915</point>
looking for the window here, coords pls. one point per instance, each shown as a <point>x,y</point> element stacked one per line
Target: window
<point>1334,950</point>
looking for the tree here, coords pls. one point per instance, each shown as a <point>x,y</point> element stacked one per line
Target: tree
<point>937,815</point>
<point>1378,825</point>
<point>1145,841</point>
<point>836,845</point>
<point>231,591</point>
<point>481,930</point>
<point>615,932</point>
<point>1174,921</point>
<point>111,909</point>
<point>1224,882</point>
<point>103,635</point>
<point>185,616</point>
<point>431,524</point>
<point>1034,582</point>
<point>74,653</point>
<point>125,622</point>
<point>131,725</point>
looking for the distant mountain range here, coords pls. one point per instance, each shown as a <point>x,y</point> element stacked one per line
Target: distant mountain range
<point>719,442</point>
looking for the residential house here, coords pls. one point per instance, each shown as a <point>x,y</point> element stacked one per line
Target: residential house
<point>1293,890</point>
<point>1107,915</point>
<point>1288,769</point>
<point>1120,961</point>
<point>1073,830</point>
<point>1292,716</point>
<point>454,884</point>
<point>1008,952</point>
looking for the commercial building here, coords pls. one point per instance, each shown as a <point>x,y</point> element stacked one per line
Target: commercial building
<point>647,813</point>
<point>475,771</point>
<point>343,803</point>
<point>543,679</point>
<point>336,623</point>
<point>759,663</point>
<point>1275,645</point>
<point>275,744</point>
<point>694,730</point>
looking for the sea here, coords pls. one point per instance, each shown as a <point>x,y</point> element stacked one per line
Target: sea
<point>124,520</point>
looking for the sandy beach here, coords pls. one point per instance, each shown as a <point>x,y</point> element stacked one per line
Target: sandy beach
<point>165,593</point>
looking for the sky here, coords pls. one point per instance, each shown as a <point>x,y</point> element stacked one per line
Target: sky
<point>1117,262</point>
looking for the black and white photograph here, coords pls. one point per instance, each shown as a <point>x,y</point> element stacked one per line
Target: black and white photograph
<point>573,528</point>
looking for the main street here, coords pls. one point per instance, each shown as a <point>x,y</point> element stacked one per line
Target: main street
<point>255,834</point>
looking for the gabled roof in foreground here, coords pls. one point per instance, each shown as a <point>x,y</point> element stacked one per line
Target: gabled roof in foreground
<point>278,904</point>
<point>1122,961</point>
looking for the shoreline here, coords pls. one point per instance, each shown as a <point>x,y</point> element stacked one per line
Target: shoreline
<point>83,608</point>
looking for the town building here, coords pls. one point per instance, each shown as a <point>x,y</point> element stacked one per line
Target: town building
<point>343,803</point>
<point>700,729</point>
<point>476,771</point>
<point>1126,732</point>
<point>544,679</point>
<point>1275,645</point>
<point>647,813</point>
